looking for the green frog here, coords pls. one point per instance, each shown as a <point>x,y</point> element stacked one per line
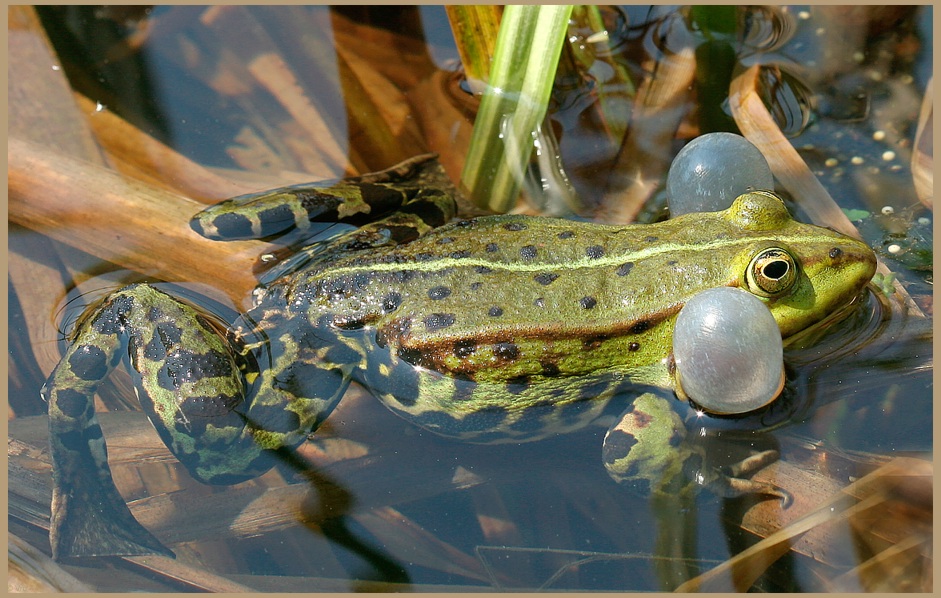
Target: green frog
<point>505,328</point>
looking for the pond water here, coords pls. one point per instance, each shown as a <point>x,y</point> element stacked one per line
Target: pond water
<point>256,98</point>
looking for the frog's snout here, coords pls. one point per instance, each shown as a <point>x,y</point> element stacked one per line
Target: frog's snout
<point>856,260</point>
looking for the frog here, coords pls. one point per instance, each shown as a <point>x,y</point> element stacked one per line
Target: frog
<point>501,328</point>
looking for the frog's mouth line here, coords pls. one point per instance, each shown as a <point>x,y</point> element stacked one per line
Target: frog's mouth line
<point>837,315</point>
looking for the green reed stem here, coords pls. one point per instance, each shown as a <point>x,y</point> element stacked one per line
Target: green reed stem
<point>515,103</point>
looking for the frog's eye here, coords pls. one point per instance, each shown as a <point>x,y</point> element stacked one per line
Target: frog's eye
<point>771,272</point>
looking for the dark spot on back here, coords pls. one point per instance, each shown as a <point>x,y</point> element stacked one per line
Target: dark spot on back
<point>391,302</point>
<point>411,356</point>
<point>437,321</point>
<point>549,368</point>
<point>211,406</point>
<point>587,302</point>
<point>75,440</point>
<point>495,312</point>
<point>640,326</point>
<point>464,348</point>
<point>166,336</point>
<point>182,366</point>
<point>594,341</point>
<point>403,276</point>
<point>528,252</point>
<point>567,234</point>
<point>624,269</point>
<point>439,292</point>
<point>458,255</point>
<point>492,247</point>
<point>514,226</point>
<point>445,240</point>
<point>650,238</point>
<point>482,270</point>
<point>642,419</point>
<point>545,278</point>
<point>360,281</point>
<point>595,251</point>
<point>506,350</point>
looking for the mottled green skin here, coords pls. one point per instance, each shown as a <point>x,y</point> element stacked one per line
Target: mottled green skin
<point>495,329</point>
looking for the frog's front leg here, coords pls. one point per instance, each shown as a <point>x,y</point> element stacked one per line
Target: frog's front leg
<point>192,381</point>
<point>648,446</point>
<point>417,186</point>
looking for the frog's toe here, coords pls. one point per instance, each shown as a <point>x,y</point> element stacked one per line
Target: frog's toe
<point>735,487</point>
<point>729,482</point>
<point>753,463</point>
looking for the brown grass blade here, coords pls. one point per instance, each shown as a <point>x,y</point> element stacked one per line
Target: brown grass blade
<point>758,126</point>
<point>662,101</point>
<point>868,492</point>
<point>475,33</point>
<point>141,157</point>
<point>122,221</point>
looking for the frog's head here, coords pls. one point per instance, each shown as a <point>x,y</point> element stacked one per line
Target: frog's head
<point>803,272</point>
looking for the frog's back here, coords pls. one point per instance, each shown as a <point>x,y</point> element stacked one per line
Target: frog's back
<point>531,296</point>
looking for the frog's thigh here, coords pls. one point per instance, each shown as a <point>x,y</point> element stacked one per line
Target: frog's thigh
<point>646,448</point>
<point>188,383</point>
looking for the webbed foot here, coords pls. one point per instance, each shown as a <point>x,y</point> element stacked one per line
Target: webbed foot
<point>89,517</point>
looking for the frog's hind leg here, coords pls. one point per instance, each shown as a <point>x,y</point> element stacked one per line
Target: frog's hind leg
<point>187,376</point>
<point>303,372</point>
<point>356,200</point>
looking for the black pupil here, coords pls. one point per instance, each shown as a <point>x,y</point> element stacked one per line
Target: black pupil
<point>775,270</point>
